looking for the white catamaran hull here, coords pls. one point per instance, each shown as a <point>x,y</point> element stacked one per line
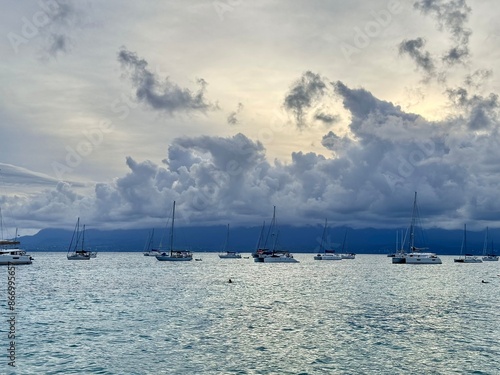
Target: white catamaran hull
<point>6,259</point>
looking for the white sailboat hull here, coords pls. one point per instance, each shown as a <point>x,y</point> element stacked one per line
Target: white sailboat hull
<point>279,259</point>
<point>78,257</point>
<point>468,259</point>
<point>417,259</point>
<point>81,255</point>
<point>151,253</point>
<point>490,258</point>
<point>348,256</point>
<point>328,257</point>
<point>175,257</point>
<point>230,256</point>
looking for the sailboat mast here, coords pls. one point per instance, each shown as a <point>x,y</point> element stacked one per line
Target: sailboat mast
<point>1,224</point>
<point>323,237</point>
<point>485,245</point>
<point>172,229</point>
<point>227,239</point>
<point>274,233</point>
<point>412,225</point>
<point>465,239</point>
<point>83,237</point>
<point>260,236</point>
<point>271,231</point>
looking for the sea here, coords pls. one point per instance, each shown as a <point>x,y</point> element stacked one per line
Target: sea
<point>125,313</point>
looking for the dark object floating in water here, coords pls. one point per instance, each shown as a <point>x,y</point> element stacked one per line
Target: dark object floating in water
<point>484,282</point>
<point>198,259</point>
<point>230,281</point>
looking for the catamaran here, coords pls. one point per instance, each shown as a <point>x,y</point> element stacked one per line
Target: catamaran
<point>324,253</point>
<point>10,253</point>
<point>414,255</point>
<point>174,255</point>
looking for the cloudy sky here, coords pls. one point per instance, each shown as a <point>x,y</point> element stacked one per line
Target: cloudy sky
<point>111,110</point>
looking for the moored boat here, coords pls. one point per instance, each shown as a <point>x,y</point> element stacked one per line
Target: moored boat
<point>488,256</point>
<point>228,254</point>
<point>272,254</point>
<point>174,255</point>
<point>414,255</point>
<point>324,253</point>
<point>78,252</point>
<point>10,253</point>
<point>148,246</point>
<point>464,256</point>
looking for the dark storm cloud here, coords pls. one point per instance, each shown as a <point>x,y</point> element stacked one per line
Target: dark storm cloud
<point>303,94</point>
<point>162,95</point>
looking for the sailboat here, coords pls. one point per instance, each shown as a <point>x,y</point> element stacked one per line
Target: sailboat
<point>488,256</point>
<point>260,250</point>
<point>174,255</point>
<point>148,249</point>
<point>226,254</point>
<point>78,252</point>
<point>464,257</point>
<point>343,254</point>
<point>272,254</point>
<point>414,255</point>
<point>324,253</point>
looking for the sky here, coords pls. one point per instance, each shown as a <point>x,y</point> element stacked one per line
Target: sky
<point>112,110</point>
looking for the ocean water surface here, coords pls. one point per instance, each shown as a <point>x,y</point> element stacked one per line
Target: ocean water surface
<point>124,313</point>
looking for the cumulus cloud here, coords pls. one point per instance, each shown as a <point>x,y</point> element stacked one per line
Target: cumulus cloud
<point>479,112</point>
<point>162,95</point>
<point>364,178</point>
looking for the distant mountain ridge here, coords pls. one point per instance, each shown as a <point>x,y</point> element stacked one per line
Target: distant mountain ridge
<point>244,239</point>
